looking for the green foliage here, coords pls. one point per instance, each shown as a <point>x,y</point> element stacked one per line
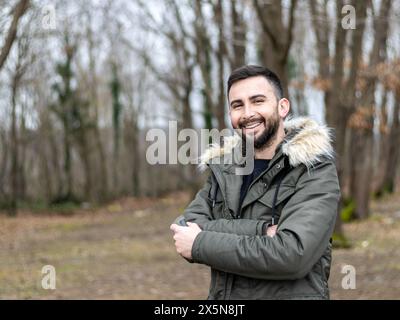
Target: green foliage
<point>66,208</point>
<point>5,204</point>
<point>347,212</point>
<point>65,199</point>
<point>65,205</point>
<point>35,206</point>
<point>386,189</point>
<point>62,206</point>
<point>340,241</point>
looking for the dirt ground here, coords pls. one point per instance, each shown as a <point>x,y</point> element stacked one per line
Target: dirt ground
<point>125,251</point>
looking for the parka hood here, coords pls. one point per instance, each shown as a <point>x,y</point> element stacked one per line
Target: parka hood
<point>306,142</point>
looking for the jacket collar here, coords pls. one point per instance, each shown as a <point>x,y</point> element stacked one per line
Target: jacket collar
<point>306,142</point>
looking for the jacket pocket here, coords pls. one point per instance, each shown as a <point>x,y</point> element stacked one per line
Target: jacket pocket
<point>267,200</point>
<point>285,192</point>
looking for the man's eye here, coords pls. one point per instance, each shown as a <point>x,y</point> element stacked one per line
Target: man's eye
<point>259,101</point>
<point>236,106</point>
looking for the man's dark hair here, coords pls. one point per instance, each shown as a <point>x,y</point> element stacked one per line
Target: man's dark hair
<point>248,71</point>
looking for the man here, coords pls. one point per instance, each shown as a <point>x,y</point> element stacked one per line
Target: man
<point>265,235</point>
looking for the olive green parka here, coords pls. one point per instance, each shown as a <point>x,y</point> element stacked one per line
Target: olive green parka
<point>300,189</point>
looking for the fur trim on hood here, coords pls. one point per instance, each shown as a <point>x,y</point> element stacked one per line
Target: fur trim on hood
<point>305,142</point>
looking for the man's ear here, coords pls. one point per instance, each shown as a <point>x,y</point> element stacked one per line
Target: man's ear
<point>283,107</point>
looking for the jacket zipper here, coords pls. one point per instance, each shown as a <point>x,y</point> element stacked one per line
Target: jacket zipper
<point>254,181</point>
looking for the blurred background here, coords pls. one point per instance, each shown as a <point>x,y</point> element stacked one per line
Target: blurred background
<point>81,84</point>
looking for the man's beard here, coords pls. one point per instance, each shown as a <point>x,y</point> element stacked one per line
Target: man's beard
<point>268,136</point>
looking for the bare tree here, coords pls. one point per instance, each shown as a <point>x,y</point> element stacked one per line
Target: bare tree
<point>276,38</point>
<point>17,74</point>
<point>389,75</point>
<point>239,30</point>
<point>221,56</point>
<point>204,61</point>
<point>18,12</point>
<point>332,79</point>
<point>94,100</point>
<point>362,120</point>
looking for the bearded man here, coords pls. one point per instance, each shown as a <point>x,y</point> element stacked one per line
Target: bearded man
<point>265,235</point>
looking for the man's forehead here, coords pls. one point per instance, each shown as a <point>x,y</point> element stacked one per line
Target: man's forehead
<point>250,87</point>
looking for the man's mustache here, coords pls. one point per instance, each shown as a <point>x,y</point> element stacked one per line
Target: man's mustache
<point>244,123</point>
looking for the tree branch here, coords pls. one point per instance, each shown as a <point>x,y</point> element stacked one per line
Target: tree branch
<point>289,30</point>
<point>19,11</point>
<point>264,24</point>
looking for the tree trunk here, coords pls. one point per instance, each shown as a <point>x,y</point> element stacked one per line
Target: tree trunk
<point>221,54</point>
<point>14,148</point>
<point>4,161</point>
<point>45,163</point>
<point>136,159</point>
<point>360,186</point>
<point>67,159</point>
<point>19,11</point>
<point>203,56</point>
<point>331,108</point>
<point>338,107</point>
<point>85,157</point>
<point>116,121</point>
<point>383,147</point>
<point>103,174</point>
<point>238,36</point>
<point>276,38</point>
<point>22,160</point>
<point>362,121</point>
<point>54,159</point>
<point>393,148</point>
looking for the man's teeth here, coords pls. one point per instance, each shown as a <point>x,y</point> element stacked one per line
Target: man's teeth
<point>252,125</point>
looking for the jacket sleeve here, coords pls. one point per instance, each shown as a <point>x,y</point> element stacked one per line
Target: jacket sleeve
<point>305,227</point>
<point>199,211</point>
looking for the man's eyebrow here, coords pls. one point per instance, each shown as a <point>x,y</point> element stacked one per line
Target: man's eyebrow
<point>234,101</point>
<point>251,98</point>
<point>257,96</point>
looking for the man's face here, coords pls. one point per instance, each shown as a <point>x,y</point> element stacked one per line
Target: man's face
<point>254,109</point>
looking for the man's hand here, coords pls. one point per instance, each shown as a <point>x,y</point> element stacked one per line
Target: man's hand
<point>184,238</point>
<point>271,230</point>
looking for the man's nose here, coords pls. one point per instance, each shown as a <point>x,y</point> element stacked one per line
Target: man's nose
<point>247,111</point>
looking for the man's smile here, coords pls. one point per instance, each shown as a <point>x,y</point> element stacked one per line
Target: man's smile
<point>250,126</point>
